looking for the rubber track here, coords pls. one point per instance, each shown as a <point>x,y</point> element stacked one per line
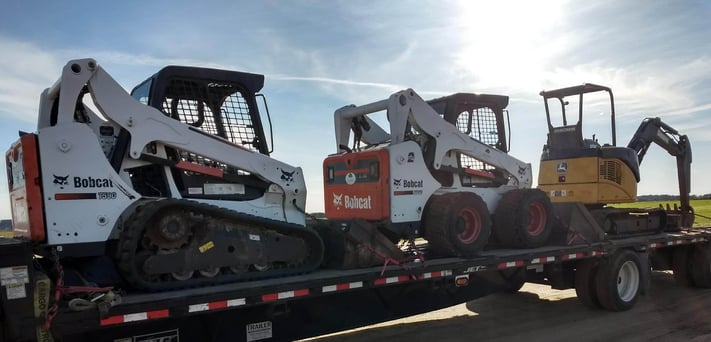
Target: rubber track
<point>133,229</point>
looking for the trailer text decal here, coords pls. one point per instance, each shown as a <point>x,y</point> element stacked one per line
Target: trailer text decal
<point>259,331</point>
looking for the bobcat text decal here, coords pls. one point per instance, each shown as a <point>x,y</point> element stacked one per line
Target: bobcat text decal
<point>90,182</point>
<point>401,187</point>
<point>351,202</point>
<point>408,183</point>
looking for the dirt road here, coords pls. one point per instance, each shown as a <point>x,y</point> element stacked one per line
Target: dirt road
<point>537,313</point>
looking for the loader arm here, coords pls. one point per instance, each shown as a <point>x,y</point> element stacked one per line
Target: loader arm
<point>653,130</point>
<point>408,105</point>
<point>148,125</point>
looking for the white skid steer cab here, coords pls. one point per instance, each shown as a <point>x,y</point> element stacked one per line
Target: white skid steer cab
<point>174,185</point>
<point>441,171</point>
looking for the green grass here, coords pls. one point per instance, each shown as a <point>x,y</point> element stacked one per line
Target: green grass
<point>702,209</point>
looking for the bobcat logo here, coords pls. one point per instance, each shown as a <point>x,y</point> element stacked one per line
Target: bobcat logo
<point>337,200</point>
<point>60,180</point>
<point>397,182</point>
<point>287,176</point>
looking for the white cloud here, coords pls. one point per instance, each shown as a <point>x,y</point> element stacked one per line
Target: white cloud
<point>326,80</point>
<point>515,48</point>
<point>25,70</point>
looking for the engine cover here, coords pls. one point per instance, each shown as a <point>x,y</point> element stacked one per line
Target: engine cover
<point>356,185</point>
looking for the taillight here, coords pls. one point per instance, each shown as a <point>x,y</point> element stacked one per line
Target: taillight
<point>330,174</point>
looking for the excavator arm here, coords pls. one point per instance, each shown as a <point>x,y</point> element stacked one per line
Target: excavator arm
<point>653,130</point>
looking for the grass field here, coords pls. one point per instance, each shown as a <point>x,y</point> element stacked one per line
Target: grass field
<point>702,209</point>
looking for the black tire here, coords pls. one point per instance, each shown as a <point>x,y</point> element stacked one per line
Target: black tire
<point>585,272</point>
<point>619,280</point>
<point>457,224</point>
<point>681,266</point>
<point>701,266</point>
<point>514,280</point>
<point>524,218</point>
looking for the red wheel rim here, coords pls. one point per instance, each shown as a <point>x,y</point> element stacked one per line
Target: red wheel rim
<point>536,218</point>
<point>470,222</point>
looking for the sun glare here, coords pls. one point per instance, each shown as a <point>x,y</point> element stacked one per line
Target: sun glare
<point>505,43</point>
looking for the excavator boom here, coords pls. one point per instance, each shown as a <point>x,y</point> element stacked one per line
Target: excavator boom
<point>653,130</point>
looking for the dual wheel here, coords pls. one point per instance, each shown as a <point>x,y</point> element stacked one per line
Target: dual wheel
<point>460,224</point>
<point>614,283</point>
<point>692,265</point>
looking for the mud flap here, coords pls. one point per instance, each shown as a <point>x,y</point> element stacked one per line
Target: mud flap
<point>41,302</point>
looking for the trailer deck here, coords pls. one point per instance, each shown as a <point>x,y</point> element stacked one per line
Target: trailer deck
<point>280,293</point>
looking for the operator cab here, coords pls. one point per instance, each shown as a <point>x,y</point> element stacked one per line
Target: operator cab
<point>218,103</point>
<point>481,116</point>
<point>593,163</point>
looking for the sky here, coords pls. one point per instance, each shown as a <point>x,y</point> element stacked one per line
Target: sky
<point>318,56</point>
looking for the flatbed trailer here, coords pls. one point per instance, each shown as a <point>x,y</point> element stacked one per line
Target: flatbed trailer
<point>326,300</point>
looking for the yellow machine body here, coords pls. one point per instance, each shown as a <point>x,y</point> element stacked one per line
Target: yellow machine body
<point>590,180</point>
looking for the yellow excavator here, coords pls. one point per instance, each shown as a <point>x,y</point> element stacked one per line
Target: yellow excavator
<point>578,169</point>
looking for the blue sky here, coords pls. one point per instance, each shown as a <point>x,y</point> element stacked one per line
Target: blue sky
<point>320,55</point>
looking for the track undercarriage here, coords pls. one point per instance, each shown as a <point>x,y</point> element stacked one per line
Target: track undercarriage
<point>170,244</point>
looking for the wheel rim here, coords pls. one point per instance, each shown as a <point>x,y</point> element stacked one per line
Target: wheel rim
<point>469,224</point>
<point>628,281</point>
<point>536,218</point>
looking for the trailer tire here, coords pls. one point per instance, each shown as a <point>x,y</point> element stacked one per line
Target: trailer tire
<point>514,280</point>
<point>680,266</point>
<point>585,273</point>
<point>701,266</point>
<point>524,218</point>
<point>619,280</point>
<point>457,224</point>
